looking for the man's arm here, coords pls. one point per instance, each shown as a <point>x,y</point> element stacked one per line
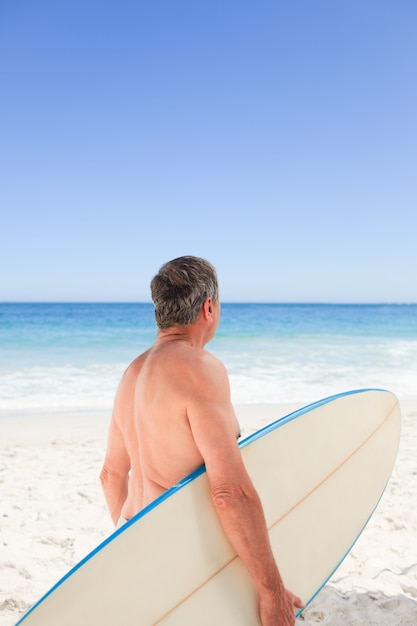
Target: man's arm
<point>115,473</point>
<point>237,503</point>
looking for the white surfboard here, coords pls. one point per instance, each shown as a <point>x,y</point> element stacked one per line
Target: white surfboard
<point>320,473</point>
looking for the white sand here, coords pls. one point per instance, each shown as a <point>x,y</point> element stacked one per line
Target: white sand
<point>52,513</point>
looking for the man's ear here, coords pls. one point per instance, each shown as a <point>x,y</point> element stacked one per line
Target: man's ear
<point>207,307</point>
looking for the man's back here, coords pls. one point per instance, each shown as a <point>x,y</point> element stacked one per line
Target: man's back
<point>156,427</point>
<point>167,448</point>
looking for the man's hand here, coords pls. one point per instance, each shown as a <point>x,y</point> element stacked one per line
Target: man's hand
<point>278,610</point>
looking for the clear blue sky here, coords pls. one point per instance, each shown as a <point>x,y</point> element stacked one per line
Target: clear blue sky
<point>276,138</point>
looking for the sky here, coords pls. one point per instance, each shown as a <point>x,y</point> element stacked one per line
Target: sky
<point>278,139</point>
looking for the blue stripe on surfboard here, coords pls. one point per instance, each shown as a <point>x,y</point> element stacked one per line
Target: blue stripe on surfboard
<point>198,472</point>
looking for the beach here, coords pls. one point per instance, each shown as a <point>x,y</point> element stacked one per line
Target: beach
<point>53,513</point>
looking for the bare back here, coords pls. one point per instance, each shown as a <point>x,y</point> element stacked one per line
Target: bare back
<point>156,425</point>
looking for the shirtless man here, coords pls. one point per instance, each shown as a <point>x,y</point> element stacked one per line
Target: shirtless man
<point>173,412</point>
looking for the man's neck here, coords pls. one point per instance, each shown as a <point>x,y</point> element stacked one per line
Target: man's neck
<point>193,335</point>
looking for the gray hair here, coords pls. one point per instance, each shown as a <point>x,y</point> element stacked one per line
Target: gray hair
<point>180,289</point>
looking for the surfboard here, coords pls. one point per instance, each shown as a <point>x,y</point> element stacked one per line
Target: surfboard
<point>320,472</point>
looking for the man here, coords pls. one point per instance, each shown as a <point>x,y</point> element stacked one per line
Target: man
<point>173,412</point>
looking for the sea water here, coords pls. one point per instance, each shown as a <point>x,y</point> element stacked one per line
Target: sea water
<point>70,357</point>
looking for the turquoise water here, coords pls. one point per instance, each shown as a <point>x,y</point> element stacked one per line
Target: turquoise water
<point>71,356</point>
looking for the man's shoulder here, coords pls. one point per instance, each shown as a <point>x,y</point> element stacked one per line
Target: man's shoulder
<point>204,364</point>
<point>131,373</point>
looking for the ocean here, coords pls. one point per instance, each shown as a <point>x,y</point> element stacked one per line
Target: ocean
<point>70,357</point>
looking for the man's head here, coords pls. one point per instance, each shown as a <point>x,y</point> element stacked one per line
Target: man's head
<point>180,288</point>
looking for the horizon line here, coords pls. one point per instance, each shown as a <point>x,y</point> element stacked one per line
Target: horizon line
<point>226,302</point>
